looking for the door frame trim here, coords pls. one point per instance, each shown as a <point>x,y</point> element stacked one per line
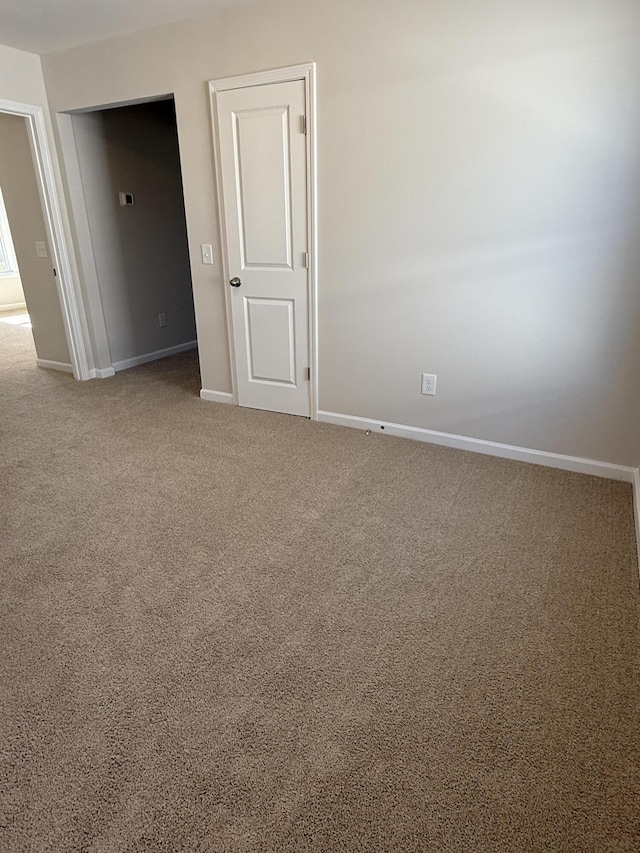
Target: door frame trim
<point>66,285</point>
<point>307,73</point>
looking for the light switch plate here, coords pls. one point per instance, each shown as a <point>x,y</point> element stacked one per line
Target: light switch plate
<point>41,249</point>
<point>207,253</point>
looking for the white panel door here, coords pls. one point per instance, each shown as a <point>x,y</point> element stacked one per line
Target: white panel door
<point>262,150</point>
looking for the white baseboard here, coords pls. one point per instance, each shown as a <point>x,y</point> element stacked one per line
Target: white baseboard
<point>153,356</point>
<point>54,365</point>
<point>489,448</point>
<point>504,451</point>
<point>101,373</point>
<point>13,306</point>
<point>216,396</point>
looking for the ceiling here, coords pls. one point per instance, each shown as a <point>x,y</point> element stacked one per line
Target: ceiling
<point>43,26</point>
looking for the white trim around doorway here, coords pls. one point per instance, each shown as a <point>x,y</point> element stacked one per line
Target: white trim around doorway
<point>68,295</point>
<point>307,73</point>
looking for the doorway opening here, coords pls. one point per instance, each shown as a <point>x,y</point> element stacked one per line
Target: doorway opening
<point>128,163</point>
<point>12,298</point>
<point>28,295</point>
<point>13,306</point>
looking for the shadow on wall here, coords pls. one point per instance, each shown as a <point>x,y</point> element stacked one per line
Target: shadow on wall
<point>513,275</point>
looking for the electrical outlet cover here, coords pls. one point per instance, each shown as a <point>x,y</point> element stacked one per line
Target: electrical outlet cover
<point>429,384</point>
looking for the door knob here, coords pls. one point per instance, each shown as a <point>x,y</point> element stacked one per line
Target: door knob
<point>235,282</point>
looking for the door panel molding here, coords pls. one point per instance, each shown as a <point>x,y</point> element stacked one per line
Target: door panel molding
<point>306,73</point>
<point>250,221</point>
<point>265,365</point>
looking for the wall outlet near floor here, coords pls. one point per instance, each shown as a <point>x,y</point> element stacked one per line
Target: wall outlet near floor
<point>41,249</point>
<point>429,384</point>
<point>162,320</point>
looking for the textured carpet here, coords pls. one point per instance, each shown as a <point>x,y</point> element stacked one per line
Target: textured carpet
<point>228,630</point>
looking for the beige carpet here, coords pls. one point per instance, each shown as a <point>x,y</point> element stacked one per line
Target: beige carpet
<point>226,630</point>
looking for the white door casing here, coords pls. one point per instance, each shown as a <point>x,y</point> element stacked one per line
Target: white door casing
<point>65,282</point>
<point>265,162</point>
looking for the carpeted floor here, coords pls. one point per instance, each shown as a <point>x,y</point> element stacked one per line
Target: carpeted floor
<point>226,630</point>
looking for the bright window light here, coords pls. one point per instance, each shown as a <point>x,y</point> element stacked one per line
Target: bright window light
<point>8,262</point>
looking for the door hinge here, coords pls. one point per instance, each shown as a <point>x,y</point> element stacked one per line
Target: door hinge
<point>305,260</point>
<point>303,124</point>
<point>308,374</point>
<point>54,271</point>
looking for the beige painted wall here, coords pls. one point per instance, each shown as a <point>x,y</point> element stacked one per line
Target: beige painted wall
<point>141,252</point>
<point>21,77</point>
<point>24,212</point>
<point>11,292</point>
<point>479,177</point>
